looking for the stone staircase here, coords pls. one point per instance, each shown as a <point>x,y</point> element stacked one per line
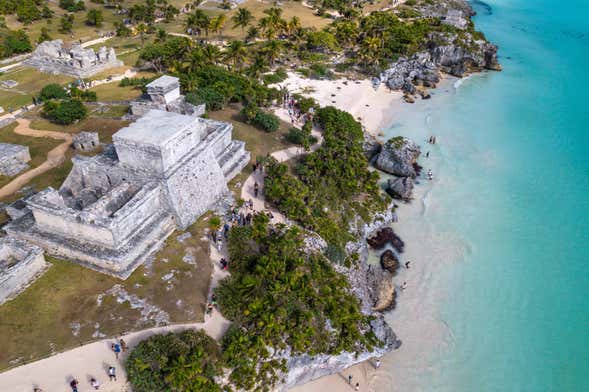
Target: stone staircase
<point>234,159</point>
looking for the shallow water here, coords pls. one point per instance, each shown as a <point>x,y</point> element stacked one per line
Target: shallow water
<point>498,290</point>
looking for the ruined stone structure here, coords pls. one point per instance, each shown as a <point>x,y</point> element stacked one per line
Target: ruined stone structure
<point>20,264</point>
<point>86,141</point>
<point>164,94</point>
<point>13,159</point>
<point>117,208</point>
<point>54,57</point>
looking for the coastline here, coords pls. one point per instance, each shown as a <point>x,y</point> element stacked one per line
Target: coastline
<point>354,97</point>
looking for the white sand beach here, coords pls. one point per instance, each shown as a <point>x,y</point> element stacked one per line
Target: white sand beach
<point>372,107</point>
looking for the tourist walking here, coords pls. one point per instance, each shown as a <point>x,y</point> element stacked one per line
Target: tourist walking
<point>74,385</point>
<point>94,383</point>
<point>357,386</point>
<point>407,264</point>
<point>123,345</point>
<point>350,379</point>
<point>112,375</point>
<point>256,189</point>
<point>377,364</point>
<point>116,348</point>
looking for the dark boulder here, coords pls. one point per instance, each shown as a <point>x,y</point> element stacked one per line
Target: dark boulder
<point>389,261</point>
<point>384,236</point>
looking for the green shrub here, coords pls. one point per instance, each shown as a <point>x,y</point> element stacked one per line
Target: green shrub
<point>184,361</point>
<point>52,91</point>
<point>65,112</point>
<point>15,42</point>
<point>256,116</point>
<point>207,95</point>
<point>94,17</point>
<point>72,5</point>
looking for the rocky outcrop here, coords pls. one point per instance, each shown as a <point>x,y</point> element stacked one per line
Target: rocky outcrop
<point>386,293</point>
<point>389,261</point>
<point>457,52</point>
<point>400,188</point>
<point>399,156</point>
<point>371,146</point>
<point>385,236</point>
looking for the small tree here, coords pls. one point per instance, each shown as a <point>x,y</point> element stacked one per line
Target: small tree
<point>142,29</point>
<point>94,17</point>
<point>52,91</point>
<point>44,35</point>
<point>65,112</point>
<point>66,22</point>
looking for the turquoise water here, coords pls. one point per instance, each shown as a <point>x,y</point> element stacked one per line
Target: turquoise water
<point>511,201</point>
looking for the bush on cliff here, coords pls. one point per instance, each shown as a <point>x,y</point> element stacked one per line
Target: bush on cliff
<point>331,186</point>
<point>185,361</point>
<point>65,112</point>
<point>279,296</point>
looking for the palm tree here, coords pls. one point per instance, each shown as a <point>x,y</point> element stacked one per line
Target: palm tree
<point>293,25</point>
<point>273,49</point>
<point>242,18</point>
<point>142,29</point>
<point>272,24</point>
<point>217,24</point>
<point>236,53</point>
<point>211,53</point>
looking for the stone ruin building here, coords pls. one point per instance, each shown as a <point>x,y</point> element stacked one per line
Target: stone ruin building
<point>164,94</point>
<point>117,208</point>
<point>86,141</point>
<point>13,159</point>
<point>20,264</point>
<point>56,58</point>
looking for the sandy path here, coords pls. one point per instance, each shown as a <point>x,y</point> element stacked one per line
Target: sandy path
<point>92,360</point>
<point>55,157</point>
<point>248,189</point>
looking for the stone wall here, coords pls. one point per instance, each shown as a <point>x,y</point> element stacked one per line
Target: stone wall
<point>13,159</point>
<point>20,264</point>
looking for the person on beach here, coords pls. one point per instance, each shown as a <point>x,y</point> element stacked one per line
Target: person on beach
<point>112,375</point>
<point>407,264</point>
<point>37,389</point>
<point>256,189</point>
<point>350,379</point>
<point>123,345</point>
<point>427,154</point>
<point>94,383</point>
<point>377,364</point>
<point>116,348</point>
<point>430,175</point>
<point>357,386</point>
<point>403,286</point>
<point>74,385</point>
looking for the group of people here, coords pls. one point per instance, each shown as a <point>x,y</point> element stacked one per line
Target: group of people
<point>295,114</point>
<point>116,347</point>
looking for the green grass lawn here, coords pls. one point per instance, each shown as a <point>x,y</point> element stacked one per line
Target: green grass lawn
<point>41,320</point>
<point>38,147</point>
<point>30,82</point>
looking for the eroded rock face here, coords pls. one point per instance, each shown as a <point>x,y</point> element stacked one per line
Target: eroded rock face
<point>458,60</point>
<point>400,188</point>
<point>385,236</point>
<point>389,261</point>
<point>387,295</point>
<point>398,157</point>
<point>371,146</point>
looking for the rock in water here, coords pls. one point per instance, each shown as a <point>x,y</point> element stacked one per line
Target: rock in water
<point>389,261</point>
<point>398,156</point>
<point>400,188</point>
<point>384,236</point>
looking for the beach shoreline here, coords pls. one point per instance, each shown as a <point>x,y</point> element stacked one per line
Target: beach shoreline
<point>373,107</point>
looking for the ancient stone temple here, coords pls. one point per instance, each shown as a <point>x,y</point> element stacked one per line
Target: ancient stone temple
<point>117,208</point>
<point>164,94</point>
<point>13,159</point>
<point>20,264</point>
<point>86,141</point>
<point>56,58</point>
